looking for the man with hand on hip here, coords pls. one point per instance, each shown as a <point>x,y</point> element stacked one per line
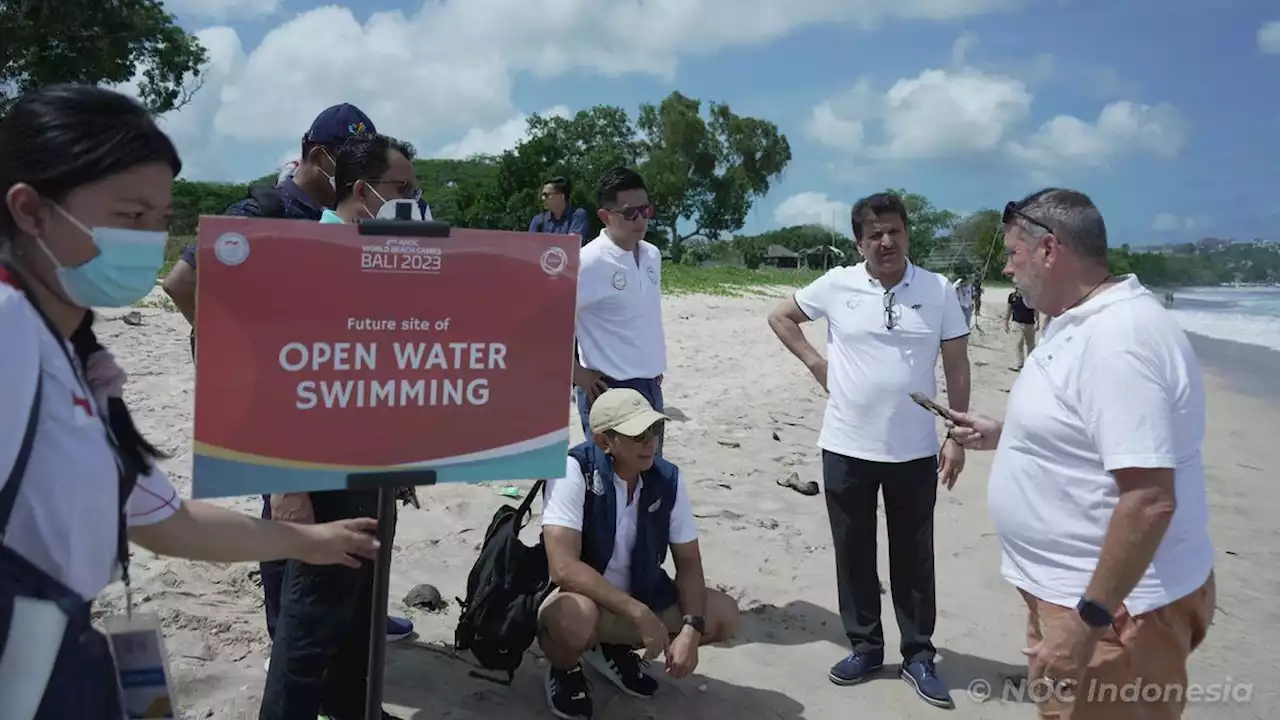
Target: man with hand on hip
<point>619,335</point>
<point>887,322</point>
<point>1097,490</point>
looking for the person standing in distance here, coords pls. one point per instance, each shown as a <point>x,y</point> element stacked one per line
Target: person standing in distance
<point>1028,322</point>
<point>1097,490</point>
<point>559,216</point>
<point>887,322</point>
<point>619,336</point>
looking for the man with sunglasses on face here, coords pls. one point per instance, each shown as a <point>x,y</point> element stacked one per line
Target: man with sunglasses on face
<point>619,336</point>
<point>607,526</point>
<point>319,653</point>
<point>558,215</point>
<point>372,171</point>
<point>887,322</point>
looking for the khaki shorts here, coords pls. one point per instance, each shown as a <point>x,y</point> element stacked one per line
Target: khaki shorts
<point>613,629</point>
<point>1146,652</point>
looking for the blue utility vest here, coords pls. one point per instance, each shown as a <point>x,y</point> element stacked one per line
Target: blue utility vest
<point>650,583</point>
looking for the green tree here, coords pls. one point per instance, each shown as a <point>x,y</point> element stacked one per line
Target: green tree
<point>580,148</point>
<point>97,41</point>
<point>927,224</point>
<point>983,234</point>
<point>706,173</point>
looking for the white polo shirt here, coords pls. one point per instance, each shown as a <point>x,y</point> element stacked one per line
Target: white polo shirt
<point>873,369</point>
<point>64,519</point>
<point>619,323</point>
<point>1113,385</point>
<point>562,507</point>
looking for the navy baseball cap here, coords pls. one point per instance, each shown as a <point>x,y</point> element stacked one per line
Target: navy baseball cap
<point>335,124</point>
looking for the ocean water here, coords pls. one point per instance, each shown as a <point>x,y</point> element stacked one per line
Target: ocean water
<point>1248,315</point>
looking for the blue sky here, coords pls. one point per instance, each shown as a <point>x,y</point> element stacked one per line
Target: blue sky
<point>1159,110</point>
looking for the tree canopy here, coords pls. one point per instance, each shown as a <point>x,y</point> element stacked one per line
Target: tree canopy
<point>97,42</point>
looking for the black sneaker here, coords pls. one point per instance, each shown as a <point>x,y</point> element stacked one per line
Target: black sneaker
<point>568,693</point>
<point>623,668</point>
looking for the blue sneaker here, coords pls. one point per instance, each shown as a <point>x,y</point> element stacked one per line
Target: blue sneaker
<point>398,628</point>
<point>923,676</point>
<point>856,667</point>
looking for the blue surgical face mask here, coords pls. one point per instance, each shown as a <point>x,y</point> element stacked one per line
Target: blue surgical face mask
<point>121,274</point>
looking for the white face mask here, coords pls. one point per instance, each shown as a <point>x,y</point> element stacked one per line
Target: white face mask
<point>389,207</point>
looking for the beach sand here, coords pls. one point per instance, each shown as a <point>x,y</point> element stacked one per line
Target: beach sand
<point>746,414</point>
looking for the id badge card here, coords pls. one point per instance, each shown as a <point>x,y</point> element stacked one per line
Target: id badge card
<point>142,664</point>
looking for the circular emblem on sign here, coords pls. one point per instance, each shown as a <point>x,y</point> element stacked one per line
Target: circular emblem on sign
<point>231,249</point>
<point>619,280</point>
<point>554,261</point>
<point>653,275</point>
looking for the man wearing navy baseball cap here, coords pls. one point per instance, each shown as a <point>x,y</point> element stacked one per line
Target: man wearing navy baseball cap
<point>303,195</point>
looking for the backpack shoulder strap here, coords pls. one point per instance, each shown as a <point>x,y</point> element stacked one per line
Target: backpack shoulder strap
<point>269,199</point>
<point>9,493</point>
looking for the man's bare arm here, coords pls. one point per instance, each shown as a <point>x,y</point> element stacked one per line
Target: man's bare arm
<point>691,583</point>
<point>955,368</point>
<point>564,559</point>
<point>785,321</point>
<point>180,284</point>
<point>1137,526</point>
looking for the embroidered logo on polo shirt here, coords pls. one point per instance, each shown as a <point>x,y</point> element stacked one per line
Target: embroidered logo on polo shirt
<point>853,302</point>
<point>597,484</point>
<point>619,280</point>
<point>653,275</point>
<point>656,504</point>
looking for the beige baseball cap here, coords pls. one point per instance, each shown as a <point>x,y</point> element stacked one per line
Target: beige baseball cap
<point>624,411</point>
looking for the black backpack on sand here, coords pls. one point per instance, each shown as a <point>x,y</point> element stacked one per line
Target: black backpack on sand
<point>507,586</point>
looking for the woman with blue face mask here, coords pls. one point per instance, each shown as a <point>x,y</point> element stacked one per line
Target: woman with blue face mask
<point>86,179</point>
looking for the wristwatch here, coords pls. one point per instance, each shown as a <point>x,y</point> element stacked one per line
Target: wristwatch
<point>696,622</point>
<point>1094,614</point>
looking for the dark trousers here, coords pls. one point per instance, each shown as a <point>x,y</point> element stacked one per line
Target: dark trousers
<point>320,652</point>
<point>852,488</point>
<point>272,574</point>
<point>650,388</point>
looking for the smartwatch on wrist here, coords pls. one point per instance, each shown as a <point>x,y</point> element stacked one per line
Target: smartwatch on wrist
<point>1094,614</point>
<point>696,622</point>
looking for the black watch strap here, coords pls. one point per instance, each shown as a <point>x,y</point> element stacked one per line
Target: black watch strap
<point>696,622</point>
<point>1094,614</point>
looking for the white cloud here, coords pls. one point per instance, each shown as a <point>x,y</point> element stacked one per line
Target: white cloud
<point>964,111</point>
<point>478,141</point>
<point>1269,38</point>
<point>222,10</point>
<point>939,113</point>
<point>440,71</point>
<point>1171,222</point>
<point>1122,127</point>
<point>813,208</point>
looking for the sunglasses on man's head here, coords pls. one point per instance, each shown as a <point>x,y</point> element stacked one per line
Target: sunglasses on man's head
<point>631,213</point>
<point>1013,212</point>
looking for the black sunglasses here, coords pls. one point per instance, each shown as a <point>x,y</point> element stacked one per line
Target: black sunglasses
<point>890,317</point>
<point>631,213</point>
<point>1013,212</point>
<point>650,433</point>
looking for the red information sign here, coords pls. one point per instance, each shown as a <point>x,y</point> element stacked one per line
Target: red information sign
<point>323,352</point>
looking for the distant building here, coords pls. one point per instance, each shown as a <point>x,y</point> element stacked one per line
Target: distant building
<point>780,257</point>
